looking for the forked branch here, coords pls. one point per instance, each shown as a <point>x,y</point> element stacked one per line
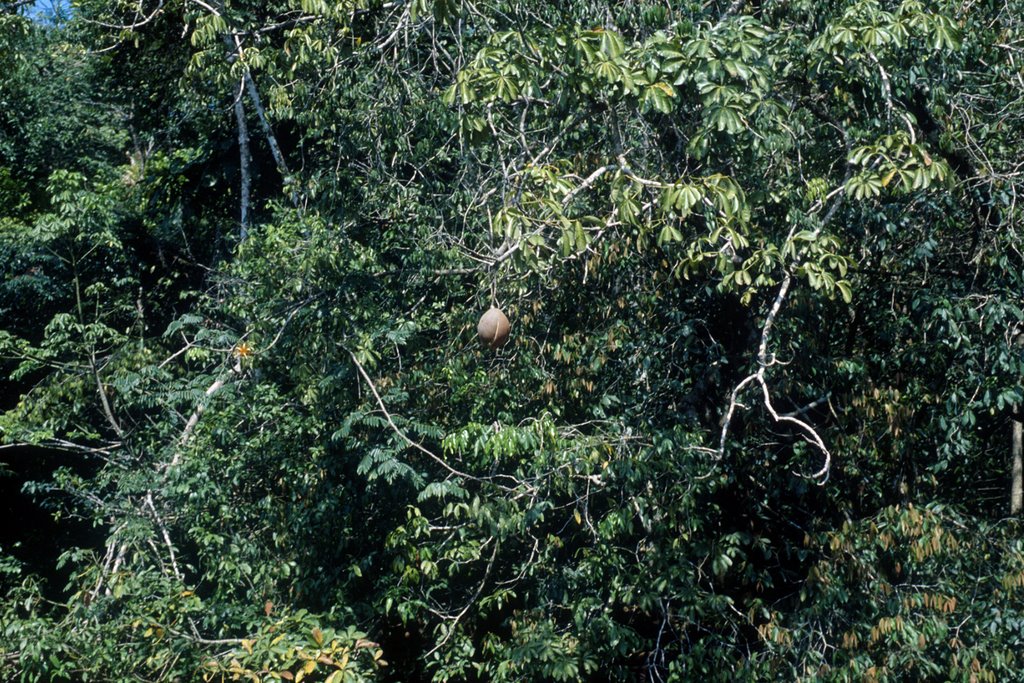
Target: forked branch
<point>764,361</point>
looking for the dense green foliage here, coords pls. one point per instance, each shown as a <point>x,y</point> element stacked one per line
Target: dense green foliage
<point>754,420</point>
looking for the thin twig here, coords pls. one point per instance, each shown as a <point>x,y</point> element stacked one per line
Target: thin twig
<point>472,601</point>
<point>166,536</point>
<point>387,415</point>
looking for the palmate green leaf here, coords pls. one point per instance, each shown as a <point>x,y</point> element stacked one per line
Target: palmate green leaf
<point>725,118</point>
<point>659,97</point>
<point>608,71</point>
<point>612,44</point>
<point>864,186</point>
<point>945,33</point>
<point>669,234</point>
<point>845,291</point>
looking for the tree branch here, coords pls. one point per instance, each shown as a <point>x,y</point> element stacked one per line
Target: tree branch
<point>268,131</point>
<point>387,416</point>
<point>193,419</point>
<point>244,162</point>
<point>764,361</point>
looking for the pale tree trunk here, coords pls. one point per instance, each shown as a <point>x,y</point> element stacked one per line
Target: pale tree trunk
<point>1017,467</point>
<point>268,132</point>
<point>248,86</point>
<point>244,162</point>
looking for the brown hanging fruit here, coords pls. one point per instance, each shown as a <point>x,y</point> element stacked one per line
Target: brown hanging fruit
<point>493,328</point>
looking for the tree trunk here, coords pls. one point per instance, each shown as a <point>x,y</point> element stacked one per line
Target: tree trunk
<point>244,162</point>
<point>268,132</point>
<point>1017,467</point>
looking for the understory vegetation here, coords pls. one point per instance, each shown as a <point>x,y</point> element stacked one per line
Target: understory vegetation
<point>757,417</point>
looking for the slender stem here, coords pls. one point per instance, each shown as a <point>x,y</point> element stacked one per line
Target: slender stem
<point>1017,468</point>
<point>395,428</point>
